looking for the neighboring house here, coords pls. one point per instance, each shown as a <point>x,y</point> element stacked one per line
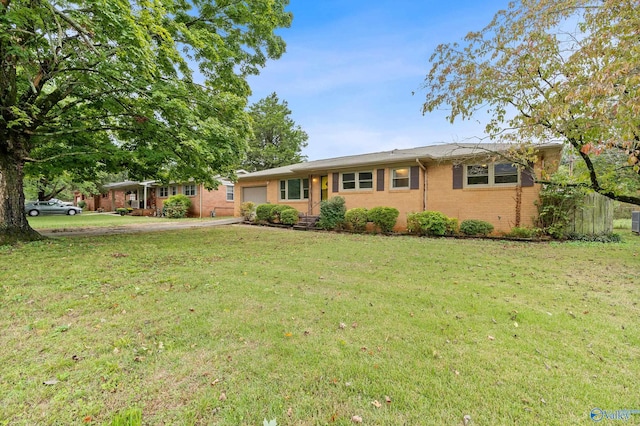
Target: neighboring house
<point>463,181</point>
<point>148,197</point>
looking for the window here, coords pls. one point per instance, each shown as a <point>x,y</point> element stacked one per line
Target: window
<point>190,190</point>
<point>294,189</point>
<point>491,174</point>
<point>400,178</point>
<point>357,180</point>
<point>229,193</point>
<point>173,190</point>
<point>163,191</point>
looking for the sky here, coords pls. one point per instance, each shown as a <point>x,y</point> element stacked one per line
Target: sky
<point>352,66</point>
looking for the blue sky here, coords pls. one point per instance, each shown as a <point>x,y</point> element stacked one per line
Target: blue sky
<point>351,67</point>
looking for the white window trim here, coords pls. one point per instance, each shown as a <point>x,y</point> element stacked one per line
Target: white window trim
<point>230,191</point>
<point>286,190</point>
<point>492,179</point>
<point>408,169</point>
<point>357,181</point>
<point>166,192</point>
<point>195,190</point>
<point>174,190</point>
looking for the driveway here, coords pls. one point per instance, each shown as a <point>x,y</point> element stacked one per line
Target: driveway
<point>134,228</point>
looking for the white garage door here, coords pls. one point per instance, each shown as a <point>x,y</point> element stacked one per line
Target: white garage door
<point>255,194</point>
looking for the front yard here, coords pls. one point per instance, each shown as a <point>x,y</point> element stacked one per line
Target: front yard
<point>234,325</point>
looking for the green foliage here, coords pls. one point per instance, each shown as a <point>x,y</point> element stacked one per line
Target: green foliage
<point>276,141</point>
<point>558,200</point>
<point>606,237</point>
<point>176,206</point>
<point>122,211</point>
<point>247,210</point>
<point>431,223</point>
<point>532,68</point>
<point>332,213</point>
<point>289,216</point>
<point>82,204</point>
<point>476,227</point>
<point>130,417</point>
<point>276,212</point>
<point>356,219</point>
<point>383,218</point>
<point>90,87</point>
<point>263,212</point>
<point>522,232</point>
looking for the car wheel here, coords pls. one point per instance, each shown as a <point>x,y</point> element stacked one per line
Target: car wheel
<point>71,212</point>
<point>34,212</point>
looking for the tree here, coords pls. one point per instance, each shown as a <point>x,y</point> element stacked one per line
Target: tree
<point>91,86</point>
<point>553,69</point>
<point>276,141</point>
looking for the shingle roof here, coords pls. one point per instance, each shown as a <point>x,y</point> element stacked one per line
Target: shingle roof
<point>428,153</point>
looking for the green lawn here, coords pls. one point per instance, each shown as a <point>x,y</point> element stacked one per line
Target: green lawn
<point>93,220</point>
<point>232,325</point>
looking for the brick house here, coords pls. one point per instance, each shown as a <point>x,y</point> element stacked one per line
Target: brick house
<point>148,197</point>
<point>463,181</point>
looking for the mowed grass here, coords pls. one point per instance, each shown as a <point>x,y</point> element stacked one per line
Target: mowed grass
<point>100,220</point>
<point>233,325</point>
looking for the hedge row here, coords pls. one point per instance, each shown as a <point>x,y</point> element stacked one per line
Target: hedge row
<point>277,213</point>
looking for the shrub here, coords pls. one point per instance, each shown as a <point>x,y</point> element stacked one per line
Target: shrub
<point>276,210</point>
<point>176,206</point>
<point>247,210</point>
<point>122,211</point>
<point>557,202</point>
<point>431,223</point>
<point>521,232</point>
<point>289,216</point>
<point>384,218</point>
<point>605,237</point>
<point>356,219</point>
<point>476,227</point>
<point>82,204</point>
<point>332,213</point>
<point>263,212</point>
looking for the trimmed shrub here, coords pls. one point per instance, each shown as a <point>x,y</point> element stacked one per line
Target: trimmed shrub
<point>276,210</point>
<point>431,223</point>
<point>606,237</point>
<point>356,219</point>
<point>176,206</point>
<point>521,232</point>
<point>247,210</point>
<point>384,218</point>
<point>332,213</point>
<point>263,212</point>
<point>289,216</point>
<point>476,227</point>
<point>82,204</point>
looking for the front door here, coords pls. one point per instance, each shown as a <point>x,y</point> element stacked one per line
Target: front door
<point>324,188</point>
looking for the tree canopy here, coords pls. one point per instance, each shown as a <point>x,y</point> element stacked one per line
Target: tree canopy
<point>277,140</point>
<point>157,88</point>
<point>565,70</point>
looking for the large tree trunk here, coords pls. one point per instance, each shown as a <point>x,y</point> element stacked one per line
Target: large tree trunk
<point>14,226</point>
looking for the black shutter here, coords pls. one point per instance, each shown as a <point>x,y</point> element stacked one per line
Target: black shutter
<point>457,176</point>
<point>380,180</point>
<point>414,178</point>
<point>527,177</point>
<point>335,182</point>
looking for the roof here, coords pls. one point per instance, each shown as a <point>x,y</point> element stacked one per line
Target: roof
<point>430,153</point>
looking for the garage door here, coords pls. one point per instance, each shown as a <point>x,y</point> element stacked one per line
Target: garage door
<point>255,194</point>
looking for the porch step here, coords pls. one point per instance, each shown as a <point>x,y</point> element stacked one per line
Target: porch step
<point>306,222</point>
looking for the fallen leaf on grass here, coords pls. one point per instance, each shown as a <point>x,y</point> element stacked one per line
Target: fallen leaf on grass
<point>491,338</point>
<point>376,403</point>
<point>50,382</point>
<point>387,399</point>
<point>356,419</point>
<point>342,326</point>
<point>466,419</point>
<point>223,397</point>
<point>290,412</point>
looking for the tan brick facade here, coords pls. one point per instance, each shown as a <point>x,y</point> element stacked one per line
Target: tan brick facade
<point>504,206</point>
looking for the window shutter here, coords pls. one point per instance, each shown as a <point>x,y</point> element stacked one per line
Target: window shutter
<point>527,177</point>
<point>457,176</point>
<point>380,180</point>
<point>414,180</point>
<point>335,182</point>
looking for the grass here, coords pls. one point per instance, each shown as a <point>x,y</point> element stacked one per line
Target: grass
<point>233,325</point>
<point>99,220</point>
<point>622,224</point>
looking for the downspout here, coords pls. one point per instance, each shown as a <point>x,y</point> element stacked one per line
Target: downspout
<point>424,194</point>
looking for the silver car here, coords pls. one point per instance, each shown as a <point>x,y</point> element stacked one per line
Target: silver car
<point>50,207</point>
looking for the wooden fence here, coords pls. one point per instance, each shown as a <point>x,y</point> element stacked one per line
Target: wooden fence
<point>594,217</point>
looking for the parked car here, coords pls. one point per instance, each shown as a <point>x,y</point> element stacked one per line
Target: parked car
<point>50,207</point>
<point>64,203</point>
